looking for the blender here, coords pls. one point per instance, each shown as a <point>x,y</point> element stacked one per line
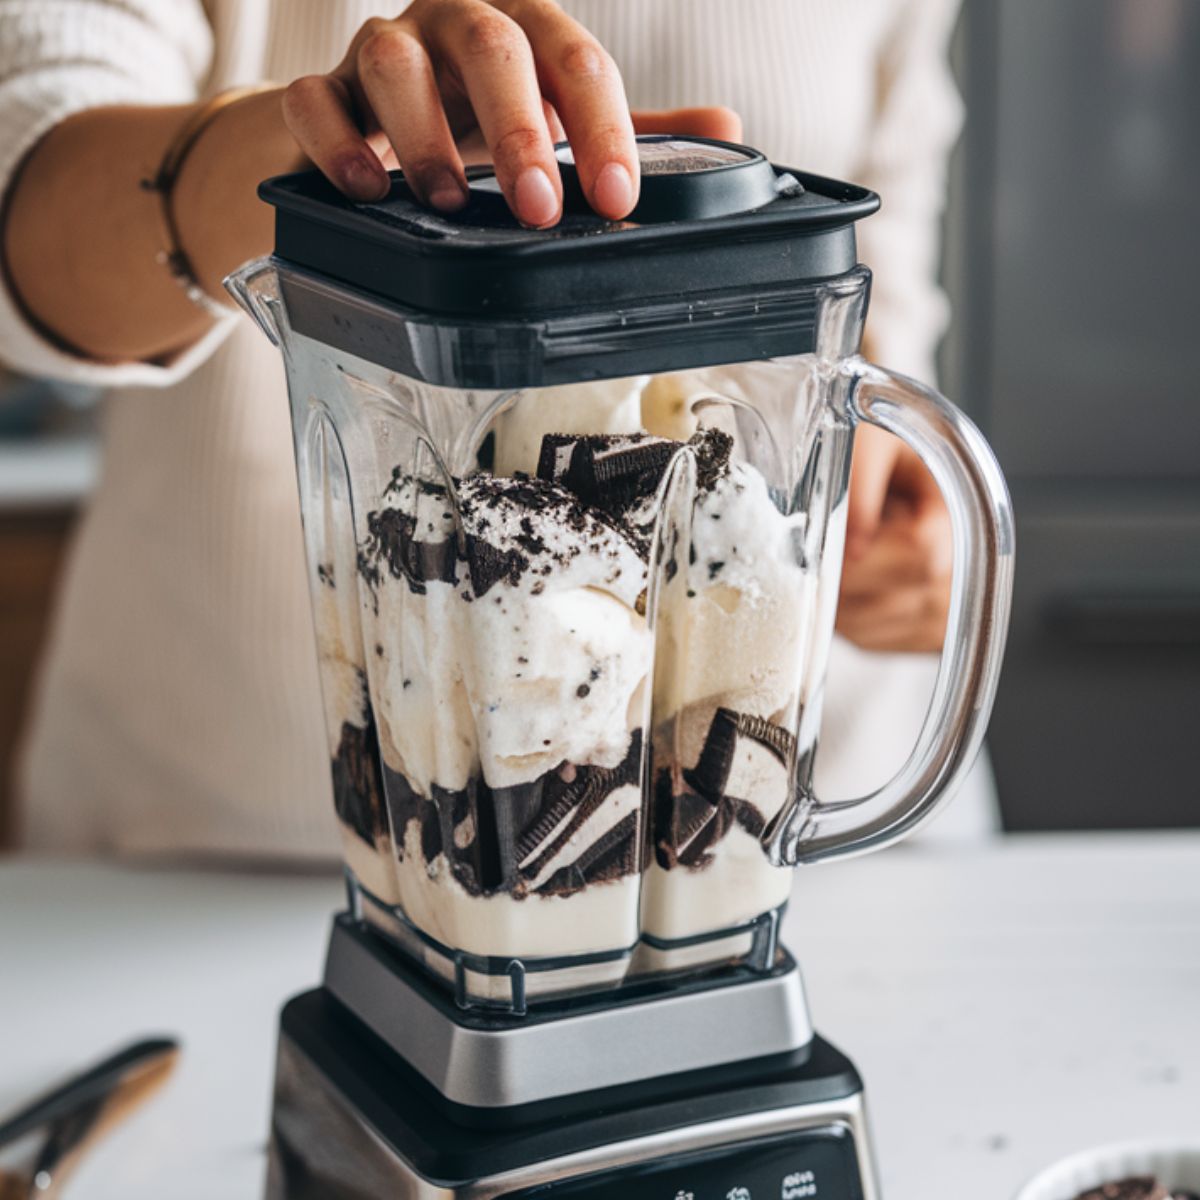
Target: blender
<point>574,509</point>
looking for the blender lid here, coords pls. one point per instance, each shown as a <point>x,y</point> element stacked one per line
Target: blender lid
<point>713,217</point>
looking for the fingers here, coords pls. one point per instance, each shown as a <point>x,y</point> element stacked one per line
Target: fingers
<point>930,519</point>
<point>895,591</point>
<point>397,78</point>
<point>524,71</point>
<point>580,79</point>
<point>722,124</point>
<point>895,596</point>
<point>893,560</point>
<point>492,58</point>
<point>317,110</point>
<point>557,132</point>
<point>908,622</point>
<point>875,453</point>
<point>935,535</point>
<point>911,621</point>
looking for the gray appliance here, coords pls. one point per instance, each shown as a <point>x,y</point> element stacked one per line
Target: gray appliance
<point>1074,261</point>
<point>574,508</point>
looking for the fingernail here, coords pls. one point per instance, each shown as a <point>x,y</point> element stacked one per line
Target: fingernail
<point>537,201</point>
<point>612,193</point>
<point>366,182</point>
<point>445,192</point>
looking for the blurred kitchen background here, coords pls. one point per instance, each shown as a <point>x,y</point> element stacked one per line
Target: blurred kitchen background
<point>1073,256</point>
<point>1073,260</point>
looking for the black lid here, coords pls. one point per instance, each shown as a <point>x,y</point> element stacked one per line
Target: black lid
<point>713,216</point>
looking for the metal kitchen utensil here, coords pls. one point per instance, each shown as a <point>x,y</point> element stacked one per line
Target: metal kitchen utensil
<point>77,1112</point>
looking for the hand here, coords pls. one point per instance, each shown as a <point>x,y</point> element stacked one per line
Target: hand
<point>896,576</point>
<point>421,89</point>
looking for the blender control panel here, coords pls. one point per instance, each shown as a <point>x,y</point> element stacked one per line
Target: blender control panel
<point>820,1164</point>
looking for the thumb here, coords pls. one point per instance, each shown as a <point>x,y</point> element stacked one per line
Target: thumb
<point>875,455</point>
<point>717,122</point>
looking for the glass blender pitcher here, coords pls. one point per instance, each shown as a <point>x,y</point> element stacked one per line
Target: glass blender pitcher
<point>574,507</point>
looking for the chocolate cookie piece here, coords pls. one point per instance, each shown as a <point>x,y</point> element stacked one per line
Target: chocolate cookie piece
<point>679,819</point>
<point>609,857</point>
<point>488,565</point>
<point>710,775</point>
<point>698,829</point>
<point>713,449</point>
<point>516,516</point>
<point>692,817</point>
<point>357,785</point>
<point>566,807</point>
<point>457,824</point>
<point>470,836</point>
<point>687,826</point>
<point>766,733</point>
<point>564,811</point>
<point>609,472</point>
<point>576,797</point>
<point>1136,1187</point>
<point>405,806</point>
<point>392,543</point>
<point>499,841</point>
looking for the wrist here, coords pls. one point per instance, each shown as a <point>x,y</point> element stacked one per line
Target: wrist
<point>220,221</point>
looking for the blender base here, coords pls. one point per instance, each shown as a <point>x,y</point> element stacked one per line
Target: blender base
<point>479,1059</point>
<point>353,1119</point>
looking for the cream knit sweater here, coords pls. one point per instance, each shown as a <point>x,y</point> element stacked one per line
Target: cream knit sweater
<point>178,708</point>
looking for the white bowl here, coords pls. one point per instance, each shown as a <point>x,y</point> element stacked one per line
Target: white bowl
<point>1177,1166</point>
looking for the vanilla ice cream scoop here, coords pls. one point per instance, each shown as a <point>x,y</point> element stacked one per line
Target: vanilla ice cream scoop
<point>740,627</point>
<point>507,630</point>
<point>608,406</point>
<point>555,647</point>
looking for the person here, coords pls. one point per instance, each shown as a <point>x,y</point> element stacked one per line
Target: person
<point>178,706</point>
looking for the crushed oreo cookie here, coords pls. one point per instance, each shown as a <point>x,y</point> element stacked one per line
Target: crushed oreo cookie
<point>587,484</point>
<point>392,542</point>
<point>608,472</point>
<point>687,826</point>
<point>567,806</point>
<point>589,495</point>
<point>713,449</point>
<point>488,565</point>
<point>612,856</point>
<point>503,841</point>
<point>1135,1187</point>
<point>710,775</point>
<point>693,812</point>
<point>494,544</point>
<point>358,796</point>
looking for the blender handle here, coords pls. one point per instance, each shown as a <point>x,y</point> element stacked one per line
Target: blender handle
<point>970,480</point>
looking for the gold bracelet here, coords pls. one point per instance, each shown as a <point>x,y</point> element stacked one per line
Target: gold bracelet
<point>172,256</point>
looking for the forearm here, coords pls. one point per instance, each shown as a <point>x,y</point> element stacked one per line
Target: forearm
<point>83,237</point>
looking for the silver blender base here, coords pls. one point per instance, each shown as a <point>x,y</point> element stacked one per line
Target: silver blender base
<point>329,1142</point>
<point>561,1049</point>
<point>354,1118</point>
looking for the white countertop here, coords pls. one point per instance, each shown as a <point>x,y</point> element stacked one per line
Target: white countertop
<point>1006,1005</point>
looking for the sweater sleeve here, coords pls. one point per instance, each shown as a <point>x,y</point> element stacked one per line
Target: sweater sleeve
<point>61,57</point>
<point>917,120</point>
